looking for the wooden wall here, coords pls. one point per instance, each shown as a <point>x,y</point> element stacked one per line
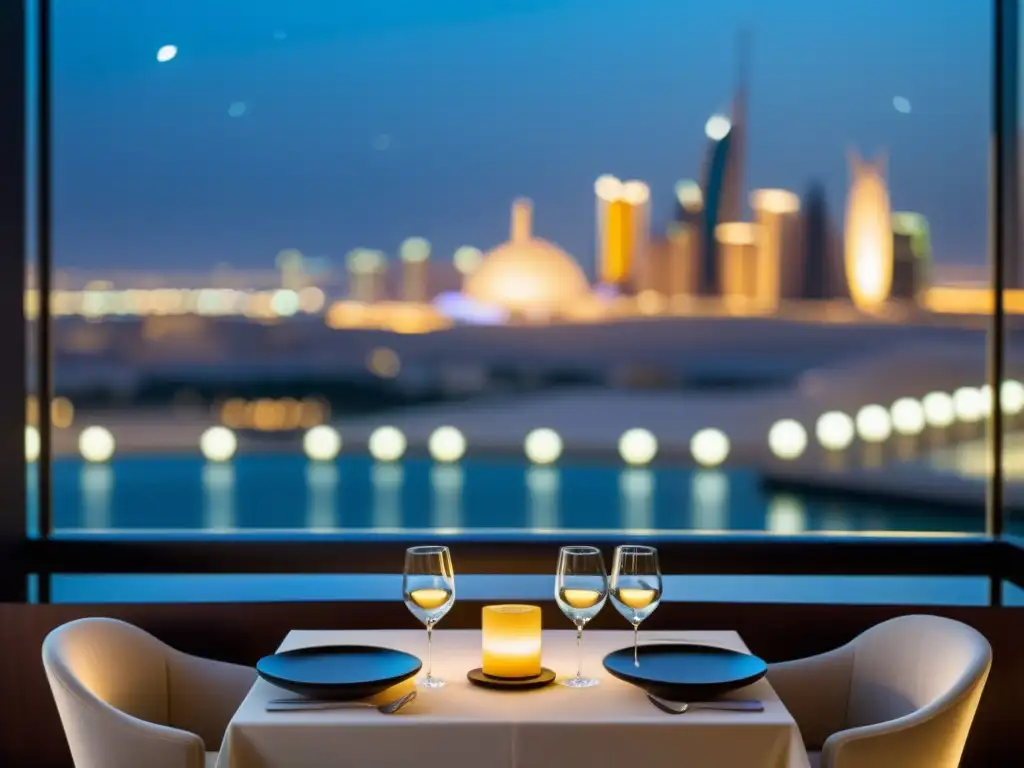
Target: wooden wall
<point>31,735</point>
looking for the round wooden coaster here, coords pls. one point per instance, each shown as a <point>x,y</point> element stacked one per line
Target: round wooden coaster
<point>477,677</point>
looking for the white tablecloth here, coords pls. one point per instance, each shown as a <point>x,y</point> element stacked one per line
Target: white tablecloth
<point>463,726</point>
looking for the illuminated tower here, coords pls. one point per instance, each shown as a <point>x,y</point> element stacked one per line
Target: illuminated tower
<point>414,253</point>
<point>779,254</point>
<point>737,245</point>
<point>911,255</point>
<point>623,231</point>
<point>868,233</point>
<point>293,272</point>
<point>682,273</point>
<point>467,260</point>
<point>366,275</point>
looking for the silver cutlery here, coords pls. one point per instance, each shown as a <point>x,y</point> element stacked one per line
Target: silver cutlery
<point>309,705</point>
<point>726,705</point>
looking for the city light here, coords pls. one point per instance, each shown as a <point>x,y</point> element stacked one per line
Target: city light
<point>638,447</point>
<point>218,444</point>
<point>787,439</point>
<point>717,127</point>
<point>166,52</point>
<point>543,446</point>
<point>384,362</point>
<point>32,444</point>
<point>689,195</point>
<point>968,404</point>
<point>908,417</point>
<point>414,250</point>
<point>322,443</point>
<point>467,259</point>
<point>1012,395</point>
<point>869,238</point>
<point>447,444</point>
<point>874,424</point>
<point>709,447</point>
<point>834,430</point>
<point>387,444</point>
<point>938,409</point>
<point>96,444</point>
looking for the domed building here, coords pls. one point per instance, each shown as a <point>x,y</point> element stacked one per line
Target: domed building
<point>528,277</point>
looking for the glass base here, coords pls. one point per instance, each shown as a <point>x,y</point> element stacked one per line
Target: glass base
<point>580,682</point>
<point>430,682</point>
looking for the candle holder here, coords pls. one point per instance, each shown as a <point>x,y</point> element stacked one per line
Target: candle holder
<point>511,649</point>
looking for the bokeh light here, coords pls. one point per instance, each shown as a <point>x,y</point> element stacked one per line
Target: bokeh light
<point>166,52</point>
<point>32,444</point>
<point>322,443</point>
<point>908,416</point>
<point>717,127</point>
<point>96,444</point>
<point>384,362</point>
<point>938,409</point>
<point>874,425</point>
<point>787,439</point>
<point>447,444</point>
<point>638,447</point>
<point>710,447</point>
<point>218,444</point>
<point>968,404</point>
<point>1012,394</point>
<point>387,444</point>
<point>543,446</point>
<point>834,430</point>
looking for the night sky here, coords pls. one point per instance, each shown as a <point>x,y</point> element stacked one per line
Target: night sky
<point>326,125</point>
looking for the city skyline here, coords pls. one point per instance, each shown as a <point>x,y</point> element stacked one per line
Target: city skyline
<point>365,132</point>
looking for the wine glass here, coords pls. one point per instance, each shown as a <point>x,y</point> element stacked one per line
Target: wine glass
<point>581,589</point>
<point>636,587</point>
<point>428,587</point>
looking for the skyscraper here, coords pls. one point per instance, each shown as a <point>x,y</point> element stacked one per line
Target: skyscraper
<point>779,254</point>
<point>868,234</point>
<point>911,255</point>
<point>823,276</point>
<point>737,241</point>
<point>623,231</point>
<point>415,252</point>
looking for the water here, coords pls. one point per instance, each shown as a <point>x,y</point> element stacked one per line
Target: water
<point>279,493</point>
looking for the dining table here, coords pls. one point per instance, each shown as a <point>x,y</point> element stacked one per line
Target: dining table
<point>610,725</point>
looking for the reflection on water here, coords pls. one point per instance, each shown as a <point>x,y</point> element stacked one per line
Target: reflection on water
<point>219,497</point>
<point>710,500</point>
<point>321,500</point>
<point>387,482</point>
<point>357,494</point>
<point>446,481</point>
<point>97,496</point>
<point>543,485</point>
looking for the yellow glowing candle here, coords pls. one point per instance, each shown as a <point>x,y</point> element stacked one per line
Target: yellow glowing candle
<point>429,599</point>
<point>511,640</point>
<point>636,598</point>
<point>581,598</point>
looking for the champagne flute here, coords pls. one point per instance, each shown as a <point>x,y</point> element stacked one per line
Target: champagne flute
<point>636,587</point>
<point>581,589</point>
<point>428,586</point>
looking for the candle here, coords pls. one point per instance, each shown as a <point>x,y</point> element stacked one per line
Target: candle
<point>581,598</point>
<point>636,598</point>
<point>429,599</point>
<point>511,640</point>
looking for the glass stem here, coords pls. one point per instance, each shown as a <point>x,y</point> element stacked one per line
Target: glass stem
<point>430,644</point>
<point>636,643</point>
<point>579,650</point>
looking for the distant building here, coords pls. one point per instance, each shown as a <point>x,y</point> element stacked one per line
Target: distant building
<point>911,255</point>
<point>823,276</point>
<point>623,231</point>
<point>719,204</point>
<point>367,274</point>
<point>414,253</point>
<point>780,255</point>
<point>868,234</point>
<point>737,246</point>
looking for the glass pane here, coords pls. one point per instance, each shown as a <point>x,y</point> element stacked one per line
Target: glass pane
<point>528,265</point>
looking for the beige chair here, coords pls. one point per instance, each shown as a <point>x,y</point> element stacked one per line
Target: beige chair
<point>128,701</point>
<point>901,695</point>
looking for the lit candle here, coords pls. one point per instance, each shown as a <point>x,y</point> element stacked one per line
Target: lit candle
<point>511,640</point>
<point>581,598</point>
<point>429,599</point>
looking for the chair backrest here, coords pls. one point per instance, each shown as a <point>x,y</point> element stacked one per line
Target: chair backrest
<point>912,662</point>
<point>109,661</point>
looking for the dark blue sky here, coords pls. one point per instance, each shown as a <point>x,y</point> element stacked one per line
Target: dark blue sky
<point>484,100</point>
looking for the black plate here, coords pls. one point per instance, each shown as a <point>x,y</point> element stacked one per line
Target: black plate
<point>685,672</point>
<point>338,672</point>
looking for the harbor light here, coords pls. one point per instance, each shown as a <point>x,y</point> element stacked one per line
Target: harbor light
<point>873,424</point>
<point>322,443</point>
<point>908,417</point>
<point>96,444</point>
<point>638,447</point>
<point>387,444</point>
<point>710,447</point>
<point>543,446</point>
<point>938,409</point>
<point>447,444</point>
<point>1012,395</point>
<point>218,444</point>
<point>787,439</point>
<point>834,430</point>
<point>32,444</point>
<point>968,404</point>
